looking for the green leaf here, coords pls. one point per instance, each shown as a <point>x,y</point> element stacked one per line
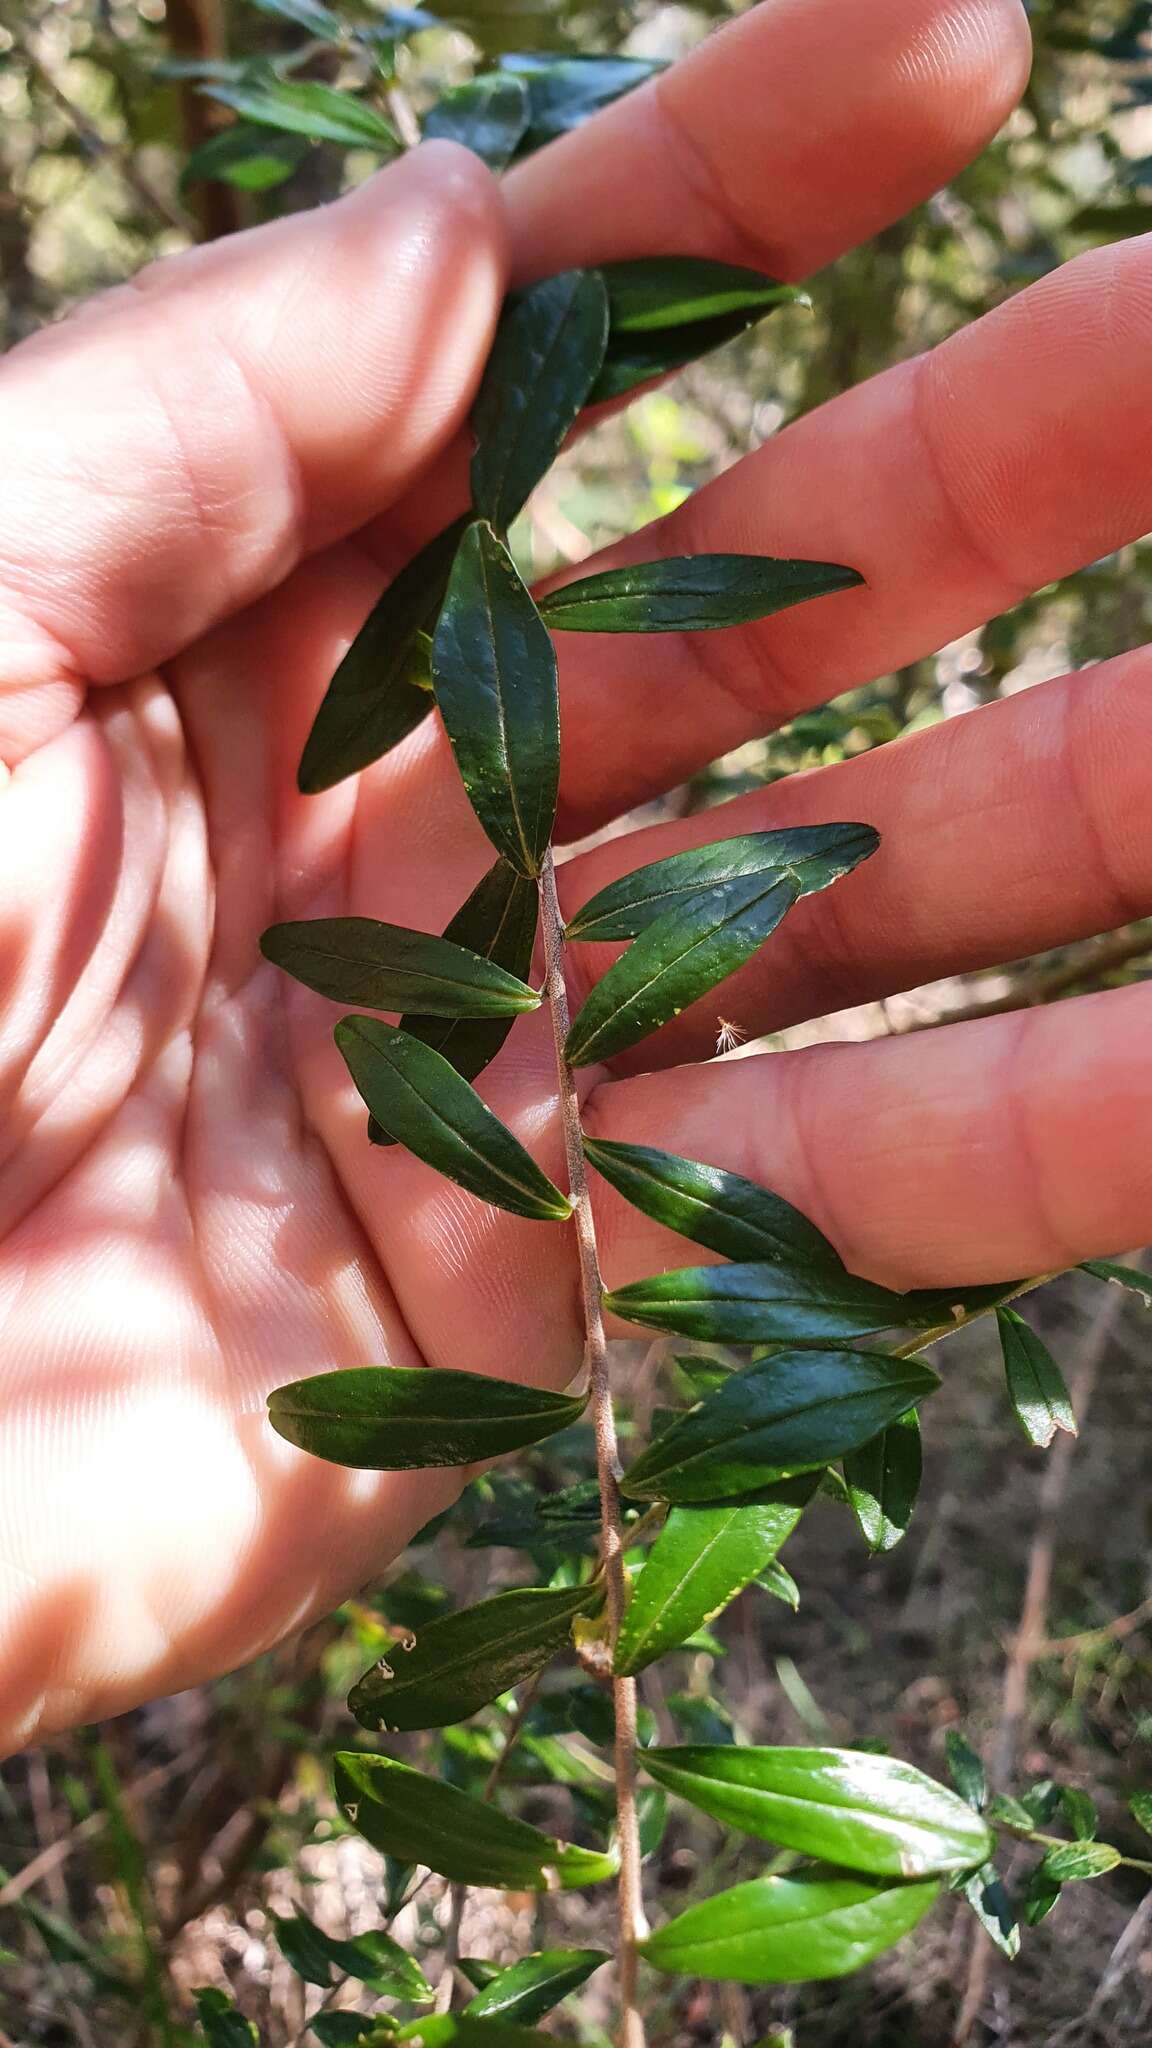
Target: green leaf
<point>883,1480</point>
<point>677,960</point>
<point>777,1580</point>
<point>372,703</point>
<point>494,671</point>
<point>424,1103</point>
<point>966,1770</point>
<point>348,2029</point>
<point>396,1418</point>
<point>251,158</point>
<point>423,1820</point>
<point>989,1900</point>
<point>1010,1813</point>
<point>851,1807</point>
<point>304,107</point>
<point>565,91</point>
<point>306,14</point>
<point>703,1374</point>
<point>1074,1861</point>
<point>1124,1276</point>
<point>690,593</point>
<point>810,856</point>
<point>788,1413</point>
<point>373,1958</point>
<point>534,1985</point>
<point>224,2026</point>
<point>1079,1812</point>
<point>457,1665</point>
<point>464,2030</point>
<point>729,1214</point>
<point>488,115</point>
<point>388,967</point>
<point>1140,1807</point>
<point>761,1303</point>
<point>814,1924</point>
<point>1041,1893</point>
<point>1036,1385</point>
<point>548,348</point>
<point>667,311</point>
<point>701,1559</point>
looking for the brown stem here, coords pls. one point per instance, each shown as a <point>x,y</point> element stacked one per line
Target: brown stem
<point>633,1925</point>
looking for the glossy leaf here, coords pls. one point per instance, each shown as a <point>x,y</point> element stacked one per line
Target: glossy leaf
<point>1041,1893</point>
<point>423,1820</point>
<point>1074,1861</point>
<point>759,1303</point>
<point>304,107</point>
<point>702,1373</point>
<point>224,2025</point>
<point>548,348</point>
<point>565,91</point>
<point>690,593</point>
<point>372,703</point>
<point>373,1958</point>
<point>788,1413</point>
<point>810,856</point>
<point>1124,1276</point>
<point>777,1580</point>
<point>883,1480</point>
<point>494,670</point>
<point>532,1987</point>
<point>424,1103</point>
<point>649,293</point>
<point>701,1559</point>
<point>852,1807</point>
<point>674,962</point>
<point>1079,1811</point>
<point>815,1924</point>
<point>488,115</point>
<point>460,1663</point>
<point>1036,1386</point>
<point>394,1418</point>
<point>966,1770</point>
<point>637,353</point>
<point>989,1900</point>
<point>729,1214</point>
<point>389,967</point>
<point>1140,1806</point>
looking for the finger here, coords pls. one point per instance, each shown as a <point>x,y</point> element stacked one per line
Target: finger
<point>1009,457</point>
<point>170,453</point>
<point>785,138</point>
<point>1012,1145</point>
<point>1015,828</point>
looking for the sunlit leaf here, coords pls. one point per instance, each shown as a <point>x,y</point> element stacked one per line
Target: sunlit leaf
<point>1124,1276</point>
<point>423,1820</point>
<point>1140,1805</point>
<point>465,2030</point>
<point>373,1958</point>
<point>389,967</point>
<point>548,348</point>
<point>811,1925</point>
<point>762,1303</point>
<point>1075,1861</point>
<point>535,1985</point>
<point>1036,1386</point>
<point>394,1418</point>
<point>883,1480</point>
<point>305,107</point>
<point>729,1214</point>
<point>811,856</point>
<point>1079,1811</point>
<point>488,115</point>
<point>690,593</point>
<point>457,1665</point>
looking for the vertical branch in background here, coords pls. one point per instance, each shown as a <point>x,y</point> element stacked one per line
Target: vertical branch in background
<point>196,32</point>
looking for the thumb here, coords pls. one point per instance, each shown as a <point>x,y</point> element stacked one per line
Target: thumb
<point>172,451</point>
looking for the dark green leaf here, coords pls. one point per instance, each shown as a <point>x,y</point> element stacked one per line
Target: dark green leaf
<point>1041,1893</point>
<point>966,1770</point>
<point>224,2026</point>
<point>1035,1382</point>
<point>1124,1276</point>
<point>424,1820</point>
<point>494,670</point>
<point>373,1958</point>
<point>702,1373</point>
<point>372,703</point>
<point>788,1413</point>
<point>253,159</point>
<point>729,1214</point>
<point>463,2030</point>
<point>811,856</point>
<point>394,1418</point>
<point>674,962</point>
<point>777,1580</point>
<point>534,1985</point>
<point>346,2029</point>
<point>992,1906</point>
<point>424,1103</point>
<point>1042,1802</point>
<point>759,1303</point>
<point>701,1559</point>
<point>1010,1813</point>
<point>1078,1860</point>
<point>1141,1809</point>
<point>1079,1812</point>
<point>883,1479</point>
<point>852,1807</point>
<point>488,115</point>
<point>668,310</point>
<point>548,348</point>
<point>690,593</point>
<point>304,107</point>
<point>565,91</point>
<point>388,967</point>
<point>457,1665</point>
<point>319,21</point>
<point>814,1924</point>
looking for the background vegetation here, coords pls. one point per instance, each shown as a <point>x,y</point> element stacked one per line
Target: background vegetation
<point>145,1858</point>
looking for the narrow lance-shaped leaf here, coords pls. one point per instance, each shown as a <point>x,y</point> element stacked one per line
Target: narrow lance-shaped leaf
<point>425,1104</point>
<point>688,951</point>
<point>535,1985</point>
<point>1124,1276</point>
<point>1036,1385</point>
<point>883,1480</point>
<point>488,115</point>
<point>388,967</point>
<point>457,1665</point>
<point>815,1924</point>
<point>792,1412</point>
<point>566,91</point>
<point>224,2025</point>
<point>669,310</point>
<point>690,593</point>
<point>373,1958</point>
<point>423,1820</point>
<point>304,107</point>
<point>811,856</point>
<point>760,1303</point>
<point>701,1559</point>
<point>251,158</point>
<point>548,348</point>
<point>394,1418</point>
<point>856,1809</point>
<point>729,1214</point>
<point>372,702</point>
<point>494,670</point>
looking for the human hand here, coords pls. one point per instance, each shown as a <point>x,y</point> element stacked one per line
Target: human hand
<point>189,1212</point>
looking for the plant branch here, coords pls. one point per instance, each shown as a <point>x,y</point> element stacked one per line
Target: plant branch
<point>633,1925</point>
<point>1046,984</point>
